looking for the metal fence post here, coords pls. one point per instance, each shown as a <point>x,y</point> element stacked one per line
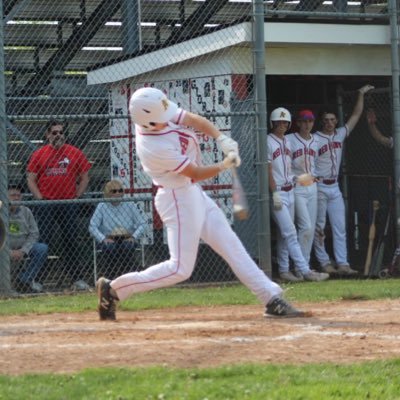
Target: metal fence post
<point>394,39</point>
<point>264,231</point>
<point>5,285</point>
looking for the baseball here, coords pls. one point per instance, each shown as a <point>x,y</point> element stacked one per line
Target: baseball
<point>305,180</point>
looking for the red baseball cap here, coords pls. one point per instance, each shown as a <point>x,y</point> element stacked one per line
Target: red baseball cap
<point>305,115</point>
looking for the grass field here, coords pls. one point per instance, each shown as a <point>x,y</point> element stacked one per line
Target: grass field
<point>371,380</point>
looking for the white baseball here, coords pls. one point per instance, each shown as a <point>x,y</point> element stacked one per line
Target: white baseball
<point>305,179</point>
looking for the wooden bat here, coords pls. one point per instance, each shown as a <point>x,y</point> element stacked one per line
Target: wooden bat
<point>371,237</point>
<point>240,205</point>
<point>380,248</point>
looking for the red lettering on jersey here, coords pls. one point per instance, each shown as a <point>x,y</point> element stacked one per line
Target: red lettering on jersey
<point>276,153</point>
<point>336,145</point>
<point>184,144</point>
<point>311,152</point>
<point>323,149</point>
<point>297,153</point>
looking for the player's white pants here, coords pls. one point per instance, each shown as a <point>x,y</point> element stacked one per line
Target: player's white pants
<point>189,214</point>
<point>287,241</point>
<point>306,216</point>
<point>330,200</point>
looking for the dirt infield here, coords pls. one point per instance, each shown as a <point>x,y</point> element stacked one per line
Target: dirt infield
<point>340,332</point>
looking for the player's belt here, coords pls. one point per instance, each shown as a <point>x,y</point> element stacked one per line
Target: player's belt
<point>286,188</point>
<point>329,181</point>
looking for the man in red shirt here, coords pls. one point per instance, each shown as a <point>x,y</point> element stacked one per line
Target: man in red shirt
<point>59,171</point>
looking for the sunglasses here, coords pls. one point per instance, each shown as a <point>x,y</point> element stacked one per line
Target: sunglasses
<point>54,133</point>
<point>117,191</point>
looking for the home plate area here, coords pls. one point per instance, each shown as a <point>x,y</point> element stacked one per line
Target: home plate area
<point>341,332</point>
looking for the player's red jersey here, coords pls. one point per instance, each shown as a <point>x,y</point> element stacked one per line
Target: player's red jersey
<point>58,170</point>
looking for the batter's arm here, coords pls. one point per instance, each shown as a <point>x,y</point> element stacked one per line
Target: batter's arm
<point>200,124</point>
<point>199,173</point>
<point>358,108</point>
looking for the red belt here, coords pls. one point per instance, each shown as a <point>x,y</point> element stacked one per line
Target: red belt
<point>329,181</point>
<point>287,188</point>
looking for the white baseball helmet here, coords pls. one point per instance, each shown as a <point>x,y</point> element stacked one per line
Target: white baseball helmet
<point>280,114</point>
<point>150,105</point>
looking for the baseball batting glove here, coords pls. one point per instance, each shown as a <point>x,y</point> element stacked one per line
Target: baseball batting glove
<point>277,201</point>
<point>366,89</point>
<point>227,144</point>
<point>231,160</point>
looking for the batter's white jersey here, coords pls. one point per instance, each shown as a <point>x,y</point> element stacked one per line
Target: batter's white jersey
<point>303,153</point>
<point>279,155</point>
<point>330,149</point>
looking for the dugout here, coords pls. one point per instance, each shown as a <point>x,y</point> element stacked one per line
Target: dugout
<point>310,65</point>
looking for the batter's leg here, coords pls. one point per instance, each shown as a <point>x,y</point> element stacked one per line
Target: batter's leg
<point>182,211</point>
<point>218,234</point>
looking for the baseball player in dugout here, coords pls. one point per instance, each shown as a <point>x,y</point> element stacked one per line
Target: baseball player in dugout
<point>330,200</point>
<point>170,154</point>
<point>281,184</point>
<point>303,152</point>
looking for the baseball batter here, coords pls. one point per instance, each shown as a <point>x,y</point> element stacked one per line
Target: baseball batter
<point>170,154</point>
<point>303,148</point>
<point>281,185</point>
<point>330,200</point>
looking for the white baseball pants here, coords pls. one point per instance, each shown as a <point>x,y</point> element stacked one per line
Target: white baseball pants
<point>330,200</point>
<point>287,241</point>
<point>190,215</point>
<point>306,217</point>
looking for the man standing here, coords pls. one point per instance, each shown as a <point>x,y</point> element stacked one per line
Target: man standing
<point>330,200</point>
<point>59,171</point>
<point>24,242</point>
<point>303,152</point>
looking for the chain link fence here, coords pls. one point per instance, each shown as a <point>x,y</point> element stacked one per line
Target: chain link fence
<point>78,62</point>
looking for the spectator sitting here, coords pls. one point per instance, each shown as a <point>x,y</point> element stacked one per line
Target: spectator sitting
<point>117,226</point>
<point>24,235</point>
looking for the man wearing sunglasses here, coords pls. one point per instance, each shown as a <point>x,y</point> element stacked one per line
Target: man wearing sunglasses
<point>59,171</point>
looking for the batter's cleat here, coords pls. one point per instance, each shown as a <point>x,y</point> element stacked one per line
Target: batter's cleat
<point>279,307</point>
<point>106,303</point>
<point>315,276</point>
<point>289,277</point>
<point>345,269</point>
<point>329,269</point>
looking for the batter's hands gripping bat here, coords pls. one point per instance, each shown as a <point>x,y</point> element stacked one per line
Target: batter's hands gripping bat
<point>240,206</point>
<point>380,248</point>
<point>371,237</point>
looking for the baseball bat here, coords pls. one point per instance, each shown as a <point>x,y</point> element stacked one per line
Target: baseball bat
<point>378,256</point>
<point>240,205</point>
<point>371,238</point>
